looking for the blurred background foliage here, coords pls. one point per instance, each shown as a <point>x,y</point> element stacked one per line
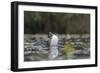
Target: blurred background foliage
<point>61,23</point>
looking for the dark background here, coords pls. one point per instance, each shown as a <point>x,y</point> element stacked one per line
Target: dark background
<point>61,23</point>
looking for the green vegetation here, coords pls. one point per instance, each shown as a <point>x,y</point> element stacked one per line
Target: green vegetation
<point>68,47</point>
<point>61,23</point>
<point>67,26</point>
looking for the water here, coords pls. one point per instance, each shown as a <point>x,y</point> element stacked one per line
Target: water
<point>36,47</point>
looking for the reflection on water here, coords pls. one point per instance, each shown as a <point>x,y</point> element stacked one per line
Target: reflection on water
<point>36,47</point>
